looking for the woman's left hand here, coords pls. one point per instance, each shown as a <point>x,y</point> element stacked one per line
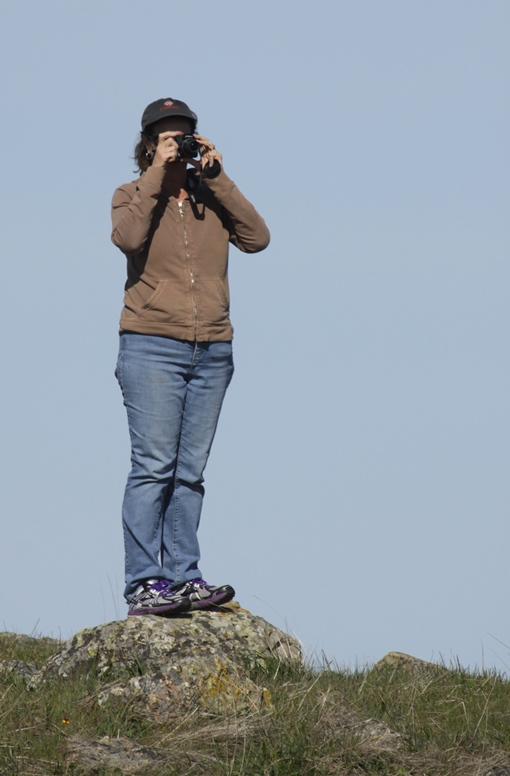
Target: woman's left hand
<point>208,151</point>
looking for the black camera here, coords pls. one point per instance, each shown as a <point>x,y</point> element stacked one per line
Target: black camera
<point>188,145</point>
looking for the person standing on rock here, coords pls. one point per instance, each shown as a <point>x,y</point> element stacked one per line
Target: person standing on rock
<point>174,225</point>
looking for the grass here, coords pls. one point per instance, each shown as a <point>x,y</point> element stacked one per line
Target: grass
<point>428,723</point>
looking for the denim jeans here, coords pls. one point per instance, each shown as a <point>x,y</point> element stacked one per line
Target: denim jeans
<point>173,391</point>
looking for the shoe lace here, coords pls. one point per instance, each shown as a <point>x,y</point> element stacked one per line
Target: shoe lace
<point>160,585</point>
<point>199,582</point>
<point>189,584</point>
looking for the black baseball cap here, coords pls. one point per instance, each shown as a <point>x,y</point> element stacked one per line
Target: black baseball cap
<point>161,109</point>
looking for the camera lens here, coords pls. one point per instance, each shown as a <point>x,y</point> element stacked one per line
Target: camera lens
<point>189,147</point>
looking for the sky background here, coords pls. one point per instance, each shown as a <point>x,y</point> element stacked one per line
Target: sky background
<point>357,492</point>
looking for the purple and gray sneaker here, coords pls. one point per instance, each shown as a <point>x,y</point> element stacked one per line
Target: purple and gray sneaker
<point>201,595</point>
<point>155,596</point>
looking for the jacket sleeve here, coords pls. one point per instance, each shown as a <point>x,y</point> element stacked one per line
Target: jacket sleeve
<point>132,214</point>
<point>248,230</point>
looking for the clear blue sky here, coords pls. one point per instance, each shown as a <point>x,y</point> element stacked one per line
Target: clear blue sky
<point>358,490</point>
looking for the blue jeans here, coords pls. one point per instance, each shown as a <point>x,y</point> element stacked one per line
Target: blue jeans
<point>173,391</point>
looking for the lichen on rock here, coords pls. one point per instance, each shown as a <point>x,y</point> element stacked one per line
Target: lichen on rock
<point>167,665</point>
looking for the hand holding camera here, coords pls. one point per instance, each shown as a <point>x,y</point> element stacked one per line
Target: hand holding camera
<point>208,152</point>
<point>176,146</point>
<point>166,150</point>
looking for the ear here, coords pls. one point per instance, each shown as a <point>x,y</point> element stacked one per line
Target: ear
<point>150,146</point>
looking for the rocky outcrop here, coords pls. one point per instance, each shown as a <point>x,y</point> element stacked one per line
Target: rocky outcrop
<point>165,666</point>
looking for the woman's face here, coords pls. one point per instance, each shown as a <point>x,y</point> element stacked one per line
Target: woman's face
<point>177,124</point>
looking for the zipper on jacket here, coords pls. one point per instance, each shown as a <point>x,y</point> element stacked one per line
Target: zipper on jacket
<point>192,276</point>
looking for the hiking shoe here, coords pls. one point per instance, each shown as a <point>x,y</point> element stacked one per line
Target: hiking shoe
<point>155,596</point>
<point>201,595</point>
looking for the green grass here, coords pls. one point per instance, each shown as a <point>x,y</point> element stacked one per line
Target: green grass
<point>449,723</point>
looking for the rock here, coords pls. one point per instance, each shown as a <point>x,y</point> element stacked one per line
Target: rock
<point>210,685</point>
<point>375,735</point>
<point>193,662</point>
<point>408,663</point>
<point>110,753</point>
<point>18,667</point>
<point>16,645</point>
<point>342,722</point>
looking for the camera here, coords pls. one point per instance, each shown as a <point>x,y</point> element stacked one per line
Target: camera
<point>188,146</point>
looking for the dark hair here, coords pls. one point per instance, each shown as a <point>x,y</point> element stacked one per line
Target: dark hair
<point>147,143</point>
<point>140,156</point>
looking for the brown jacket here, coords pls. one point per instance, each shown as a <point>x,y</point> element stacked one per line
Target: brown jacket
<point>177,255</point>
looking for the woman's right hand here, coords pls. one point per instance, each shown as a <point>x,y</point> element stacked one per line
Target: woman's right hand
<point>167,149</point>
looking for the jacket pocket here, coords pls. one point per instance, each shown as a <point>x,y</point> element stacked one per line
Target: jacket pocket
<point>158,292</point>
<point>213,302</point>
<point>169,302</point>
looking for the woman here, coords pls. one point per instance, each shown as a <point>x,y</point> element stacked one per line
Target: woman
<point>174,225</point>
